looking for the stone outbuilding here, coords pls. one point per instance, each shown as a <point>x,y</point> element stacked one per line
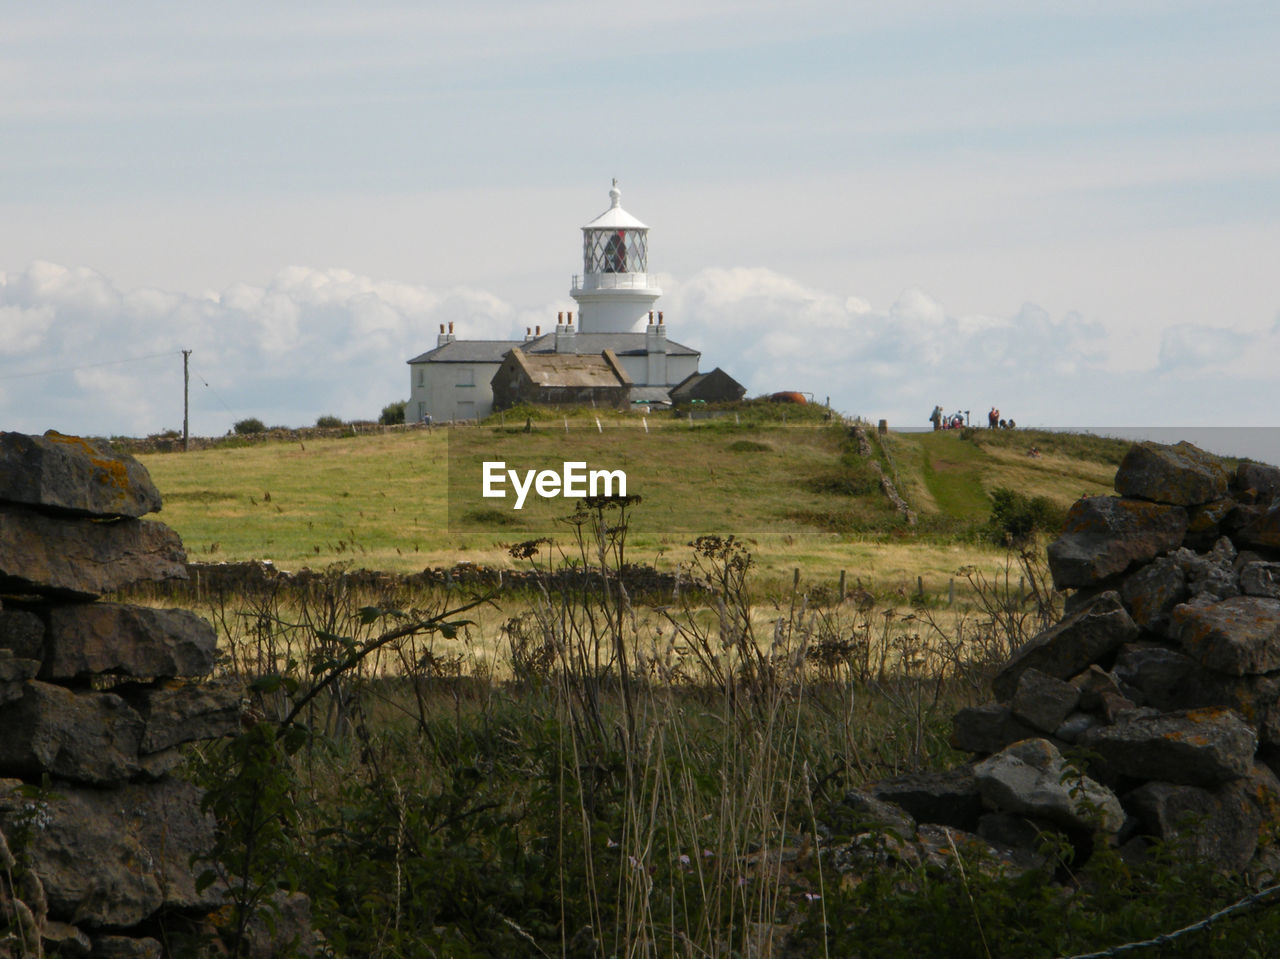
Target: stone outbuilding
<point>560,379</point>
<point>714,387</point>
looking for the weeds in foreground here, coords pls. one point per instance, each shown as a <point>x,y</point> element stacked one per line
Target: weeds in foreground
<point>650,782</point>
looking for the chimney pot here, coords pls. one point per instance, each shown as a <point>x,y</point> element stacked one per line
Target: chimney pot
<point>451,326</point>
<point>441,327</point>
<point>560,317</point>
<point>659,317</point>
<point>537,331</point>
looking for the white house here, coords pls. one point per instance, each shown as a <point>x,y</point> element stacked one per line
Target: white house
<point>615,296</point>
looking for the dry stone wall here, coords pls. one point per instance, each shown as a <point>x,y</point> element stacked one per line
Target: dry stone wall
<point>1165,668</point>
<point>96,838</point>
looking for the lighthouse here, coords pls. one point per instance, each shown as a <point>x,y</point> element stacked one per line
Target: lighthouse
<point>615,292</point>
<point>619,334</point>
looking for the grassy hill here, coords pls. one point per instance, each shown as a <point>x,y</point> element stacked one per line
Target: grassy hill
<point>796,491</point>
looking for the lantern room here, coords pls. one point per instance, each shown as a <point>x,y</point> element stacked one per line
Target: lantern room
<point>614,293</point>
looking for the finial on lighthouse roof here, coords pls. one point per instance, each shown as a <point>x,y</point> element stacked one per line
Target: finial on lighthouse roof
<point>615,195</point>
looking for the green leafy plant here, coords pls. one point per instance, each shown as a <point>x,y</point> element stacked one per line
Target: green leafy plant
<point>1016,518</point>
<point>393,413</point>
<point>249,426</point>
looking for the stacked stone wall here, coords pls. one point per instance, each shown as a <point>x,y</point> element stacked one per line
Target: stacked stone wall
<point>96,698</point>
<point>1165,668</point>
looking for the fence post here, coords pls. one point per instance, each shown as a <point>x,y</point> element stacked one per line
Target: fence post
<point>842,586</point>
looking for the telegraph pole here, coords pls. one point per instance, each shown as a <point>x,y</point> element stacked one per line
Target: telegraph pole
<point>186,406</point>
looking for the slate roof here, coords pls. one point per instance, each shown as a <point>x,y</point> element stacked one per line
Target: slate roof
<point>652,394</point>
<point>622,344</point>
<point>468,351</point>
<point>493,351</point>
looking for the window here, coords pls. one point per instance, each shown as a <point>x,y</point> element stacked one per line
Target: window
<point>615,251</point>
<point>466,376</point>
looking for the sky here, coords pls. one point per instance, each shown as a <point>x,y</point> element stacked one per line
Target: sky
<point>1070,211</point>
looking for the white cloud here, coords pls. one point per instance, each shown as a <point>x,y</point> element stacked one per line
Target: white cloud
<point>773,333</point>
<point>23,327</point>
<point>80,355</point>
<point>311,342</point>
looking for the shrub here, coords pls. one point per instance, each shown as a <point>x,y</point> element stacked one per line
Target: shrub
<point>393,413</point>
<point>250,425</point>
<point>329,422</point>
<point>1016,517</point>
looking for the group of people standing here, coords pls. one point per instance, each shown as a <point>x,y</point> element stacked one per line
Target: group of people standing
<point>946,421</point>
<point>996,423</point>
<point>956,420</point>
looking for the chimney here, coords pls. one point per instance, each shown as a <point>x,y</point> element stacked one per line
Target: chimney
<point>528,333</point>
<point>655,348</point>
<point>566,342</point>
<point>444,338</point>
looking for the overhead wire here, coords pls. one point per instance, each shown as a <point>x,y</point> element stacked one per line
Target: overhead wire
<point>87,366</point>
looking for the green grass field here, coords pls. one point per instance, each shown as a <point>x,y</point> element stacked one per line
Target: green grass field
<point>407,500</point>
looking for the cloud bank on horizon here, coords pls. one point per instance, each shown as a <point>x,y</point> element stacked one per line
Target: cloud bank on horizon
<point>330,342</point>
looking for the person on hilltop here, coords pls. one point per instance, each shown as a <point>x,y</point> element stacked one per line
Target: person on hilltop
<point>936,416</point>
<point>993,418</point>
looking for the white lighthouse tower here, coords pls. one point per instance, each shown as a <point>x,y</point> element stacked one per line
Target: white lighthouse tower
<point>615,292</point>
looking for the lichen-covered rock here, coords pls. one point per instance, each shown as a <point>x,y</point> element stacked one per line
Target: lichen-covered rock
<point>1151,593</point>
<point>987,728</point>
<point>1196,747</point>
<point>56,556</point>
<point>68,473</point>
<point>1061,651</point>
<point>112,857</point>
<point>88,737</point>
<point>1256,698</point>
<point>949,797</point>
<point>937,845</point>
<point>1206,522</point>
<point>1031,778</point>
<point>22,633</point>
<point>84,639</point>
<point>1102,693</point>
<point>1162,676</point>
<point>1262,528</point>
<point>14,673</point>
<point>1239,636</point>
<point>1104,537</point>
<point>177,712</point>
<point>1264,480</point>
<point>860,811</point>
<point>1218,826</point>
<point>1260,579</point>
<point>126,947</point>
<point>1180,475</point>
<point>1042,701</point>
<point>1074,726</point>
<point>1211,574</point>
<point>64,939</point>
